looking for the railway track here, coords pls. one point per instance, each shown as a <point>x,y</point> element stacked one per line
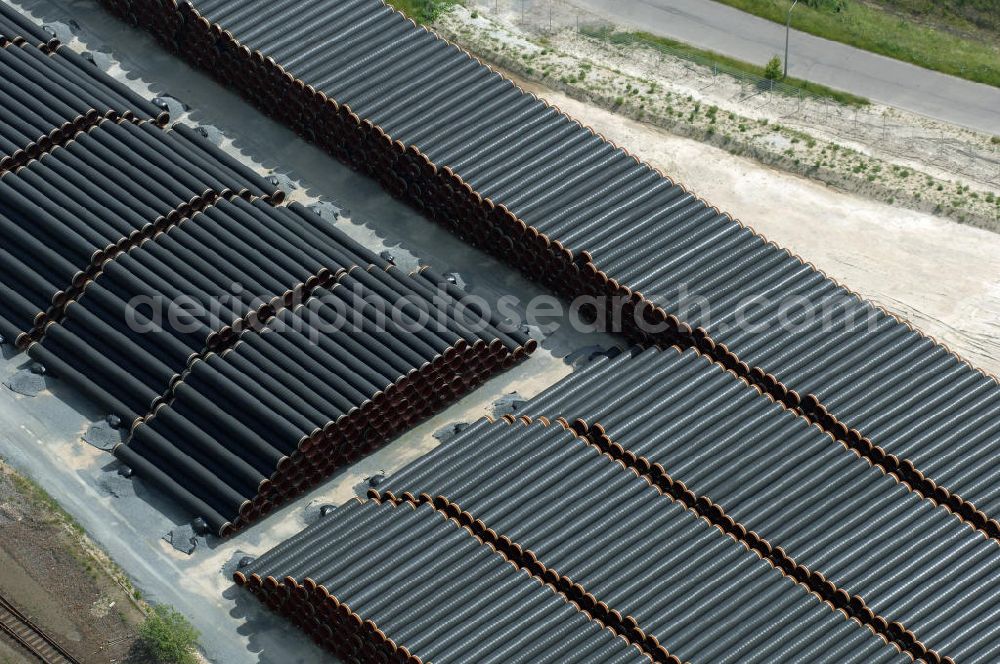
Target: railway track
<point>17,628</point>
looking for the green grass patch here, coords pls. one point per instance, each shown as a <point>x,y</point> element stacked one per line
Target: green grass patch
<point>423,11</point>
<point>722,63</point>
<point>899,33</point>
<point>34,492</point>
<point>973,17</point>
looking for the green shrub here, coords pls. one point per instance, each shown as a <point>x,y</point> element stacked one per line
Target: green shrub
<point>772,71</point>
<point>423,11</point>
<point>166,637</point>
<point>827,5</point>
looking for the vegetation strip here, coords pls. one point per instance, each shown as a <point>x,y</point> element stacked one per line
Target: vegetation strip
<point>722,63</point>
<point>657,98</point>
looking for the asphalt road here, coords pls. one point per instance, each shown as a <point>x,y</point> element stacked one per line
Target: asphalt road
<point>737,34</point>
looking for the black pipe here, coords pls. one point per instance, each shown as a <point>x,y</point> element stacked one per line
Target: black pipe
<point>201,151</point>
<point>265,353</point>
<point>133,207</point>
<point>111,343</point>
<point>13,24</point>
<point>83,230</point>
<point>60,368</point>
<point>256,449</point>
<point>172,488</point>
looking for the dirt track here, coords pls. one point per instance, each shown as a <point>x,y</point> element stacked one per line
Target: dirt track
<point>942,276</point>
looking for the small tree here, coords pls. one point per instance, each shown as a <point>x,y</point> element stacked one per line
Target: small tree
<point>772,71</point>
<point>167,637</point>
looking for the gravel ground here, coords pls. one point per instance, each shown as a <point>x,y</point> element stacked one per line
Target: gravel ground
<point>91,615</point>
<point>10,655</point>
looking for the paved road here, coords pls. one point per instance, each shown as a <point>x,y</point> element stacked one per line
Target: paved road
<point>737,34</point>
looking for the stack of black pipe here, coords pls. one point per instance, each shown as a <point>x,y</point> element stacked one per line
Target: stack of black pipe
<point>655,573</point>
<point>516,176</point>
<point>398,584</point>
<point>644,562</point>
<point>157,274</point>
<point>187,290</point>
<point>319,385</point>
<point>51,94</point>
<point>789,490</point>
<point>495,165</point>
<point>140,333</point>
<point>107,190</point>
<point>17,28</point>
<point>313,111</point>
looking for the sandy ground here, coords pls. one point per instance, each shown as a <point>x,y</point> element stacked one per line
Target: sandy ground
<point>942,276</point>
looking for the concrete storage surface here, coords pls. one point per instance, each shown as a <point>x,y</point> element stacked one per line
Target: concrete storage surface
<point>42,435</point>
